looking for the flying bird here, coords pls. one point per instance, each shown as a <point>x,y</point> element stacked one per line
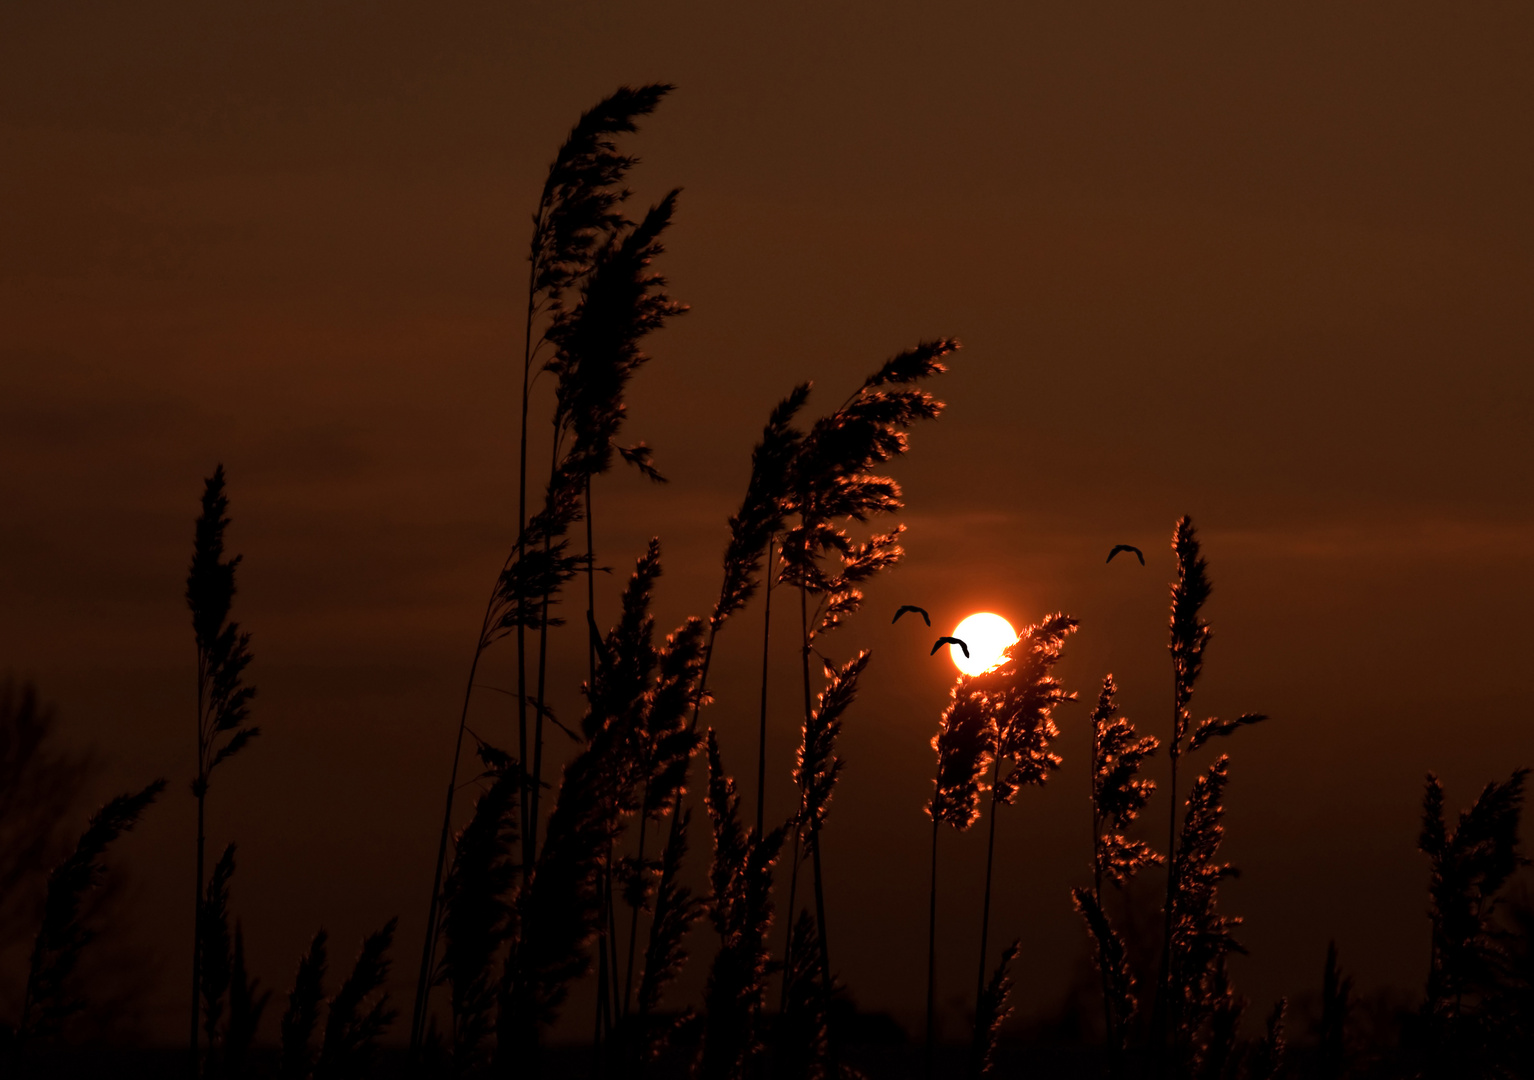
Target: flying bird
<point>1126,547</point>
<point>940,642</point>
<point>912,607</point>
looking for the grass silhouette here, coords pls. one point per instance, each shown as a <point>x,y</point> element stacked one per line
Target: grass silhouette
<point>223,698</point>
<point>527,891</point>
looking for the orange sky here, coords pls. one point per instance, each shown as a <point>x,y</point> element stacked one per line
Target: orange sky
<point>1267,267</point>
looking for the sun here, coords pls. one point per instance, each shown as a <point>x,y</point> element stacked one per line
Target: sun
<point>987,636</point>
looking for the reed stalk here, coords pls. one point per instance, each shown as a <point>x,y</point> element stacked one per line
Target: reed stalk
<point>223,699</point>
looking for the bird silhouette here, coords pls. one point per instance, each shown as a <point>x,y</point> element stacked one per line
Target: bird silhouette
<point>1126,547</point>
<point>912,607</point>
<point>940,642</point>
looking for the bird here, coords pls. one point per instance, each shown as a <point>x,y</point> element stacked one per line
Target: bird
<point>1126,547</point>
<point>912,607</point>
<point>940,642</point>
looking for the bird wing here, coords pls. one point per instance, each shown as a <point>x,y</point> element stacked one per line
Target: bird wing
<point>1126,547</point>
<point>912,607</point>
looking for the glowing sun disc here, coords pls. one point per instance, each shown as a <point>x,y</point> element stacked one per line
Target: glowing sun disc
<point>987,636</point>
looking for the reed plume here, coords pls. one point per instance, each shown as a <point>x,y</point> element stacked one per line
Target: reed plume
<point>740,906</point>
<point>1468,969</point>
<point>1119,793</point>
<point>360,1013</point>
<point>50,998</point>
<point>302,1015</point>
<point>223,698</point>
<point>580,204</point>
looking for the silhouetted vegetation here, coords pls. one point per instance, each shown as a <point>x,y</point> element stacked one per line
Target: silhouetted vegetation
<point>533,894</point>
<point>223,706</point>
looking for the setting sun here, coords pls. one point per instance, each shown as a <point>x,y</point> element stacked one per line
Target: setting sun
<point>987,636</point>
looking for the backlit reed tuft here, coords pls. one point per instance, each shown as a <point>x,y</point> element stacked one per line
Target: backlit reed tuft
<point>964,743</point>
<point>665,744</point>
<point>1020,694</point>
<point>740,907</point>
<point>1118,794</point>
<point>832,481</point>
<point>1201,938</point>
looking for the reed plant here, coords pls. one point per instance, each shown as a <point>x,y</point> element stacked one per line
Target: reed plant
<point>217,958</point>
<point>752,531</point>
<point>302,1015</point>
<point>478,915</point>
<point>1118,794</point>
<point>561,907</point>
<point>1468,1027</point>
<point>360,1014</point>
<point>50,997</point>
<point>1336,1004</point>
<point>832,482</point>
<point>223,697</point>
<point>357,1017</point>
<point>991,1011</point>
<point>1196,937</point>
<point>247,1004</point>
<point>41,786</point>
<point>740,907</point>
<point>578,211</point>
<point>965,744</point>
<point>1020,694</point>
<point>596,352</point>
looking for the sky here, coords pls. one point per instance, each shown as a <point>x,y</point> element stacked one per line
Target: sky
<point>1269,266</point>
